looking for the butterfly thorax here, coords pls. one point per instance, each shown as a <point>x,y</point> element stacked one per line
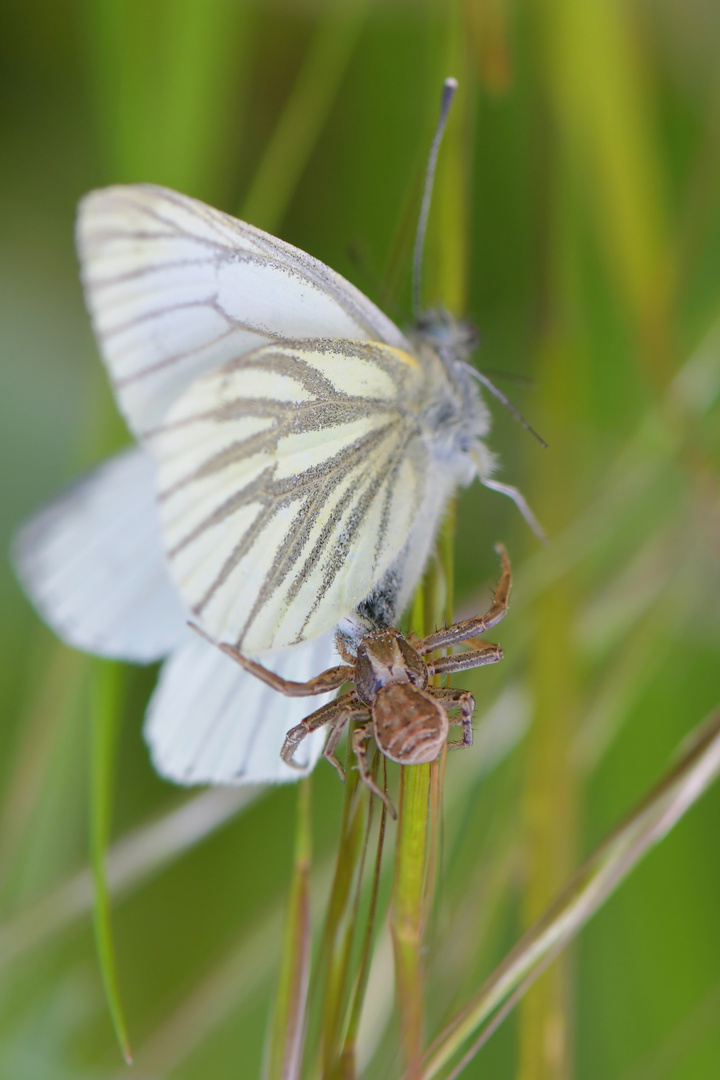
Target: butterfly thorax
<point>386,658</point>
<point>454,415</point>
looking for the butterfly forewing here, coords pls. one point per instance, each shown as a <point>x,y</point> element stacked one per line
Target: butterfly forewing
<point>289,481</point>
<point>176,289</point>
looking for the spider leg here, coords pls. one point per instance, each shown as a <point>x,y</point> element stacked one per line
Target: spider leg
<point>466,702</point>
<point>488,654</point>
<point>324,715</point>
<point>343,717</point>
<point>359,738</point>
<point>460,631</point>
<point>331,679</point>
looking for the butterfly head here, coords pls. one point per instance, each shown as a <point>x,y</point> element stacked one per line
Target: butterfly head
<point>453,339</point>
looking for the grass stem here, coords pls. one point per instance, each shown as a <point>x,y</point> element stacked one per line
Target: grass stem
<point>106,704</point>
<point>695,770</point>
<point>288,1025</point>
<point>408,909</point>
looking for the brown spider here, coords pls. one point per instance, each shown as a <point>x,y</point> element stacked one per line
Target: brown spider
<point>391,699</point>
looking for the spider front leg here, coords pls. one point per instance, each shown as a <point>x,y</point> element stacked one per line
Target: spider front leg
<point>466,703</point>
<point>331,679</point>
<point>441,639</point>
<point>359,738</point>
<point>336,712</point>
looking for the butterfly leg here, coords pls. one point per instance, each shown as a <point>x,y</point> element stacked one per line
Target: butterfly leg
<point>441,639</point>
<point>485,654</point>
<point>331,679</point>
<point>519,499</point>
<point>466,703</point>
<point>335,712</point>
<point>359,739</point>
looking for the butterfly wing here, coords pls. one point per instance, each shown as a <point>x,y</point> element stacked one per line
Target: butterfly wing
<point>175,288</point>
<point>94,566</point>
<point>289,481</point>
<point>210,722</point>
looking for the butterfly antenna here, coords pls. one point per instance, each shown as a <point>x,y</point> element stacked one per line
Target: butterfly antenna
<point>448,93</point>
<point>505,401</point>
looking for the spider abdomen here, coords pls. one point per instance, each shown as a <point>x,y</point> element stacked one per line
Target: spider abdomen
<point>409,725</point>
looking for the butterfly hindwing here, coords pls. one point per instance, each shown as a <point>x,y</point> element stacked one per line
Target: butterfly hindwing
<point>289,480</point>
<point>94,565</point>
<point>210,722</point>
<point>176,288</point>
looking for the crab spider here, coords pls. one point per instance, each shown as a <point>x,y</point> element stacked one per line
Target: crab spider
<point>392,699</point>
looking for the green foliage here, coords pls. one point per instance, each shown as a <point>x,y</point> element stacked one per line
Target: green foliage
<point>577,221</point>
<point>105,707</point>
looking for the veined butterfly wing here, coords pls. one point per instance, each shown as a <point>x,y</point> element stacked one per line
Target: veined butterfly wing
<point>210,722</point>
<point>94,565</point>
<point>305,458</point>
<point>290,479</point>
<point>176,288</point>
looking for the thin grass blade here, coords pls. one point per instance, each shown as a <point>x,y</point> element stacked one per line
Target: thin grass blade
<point>288,1025</point>
<point>408,909</point>
<point>349,1050</point>
<point>106,701</point>
<point>60,688</point>
<point>325,1042</point>
<point>697,767</point>
<point>304,115</point>
<point>165,88</point>
<point>132,860</point>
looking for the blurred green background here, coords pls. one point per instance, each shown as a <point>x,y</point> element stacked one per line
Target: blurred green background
<point>577,223</point>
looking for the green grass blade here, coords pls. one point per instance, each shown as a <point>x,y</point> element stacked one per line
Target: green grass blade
<point>421,785</point>
<point>106,699</point>
<point>305,113</point>
<point>594,71</point>
<point>349,1051</point>
<point>347,968</point>
<point>134,859</point>
<point>408,909</point>
<point>330,965</point>
<point>60,687</point>
<point>690,777</point>
<point>243,972</point>
<point>287,1031</point>
<point>164,74</point>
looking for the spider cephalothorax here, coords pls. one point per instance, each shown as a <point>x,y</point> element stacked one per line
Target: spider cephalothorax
<point>392,698</point>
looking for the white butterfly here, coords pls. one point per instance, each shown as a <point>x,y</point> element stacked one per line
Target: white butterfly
<point>296,453</point>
